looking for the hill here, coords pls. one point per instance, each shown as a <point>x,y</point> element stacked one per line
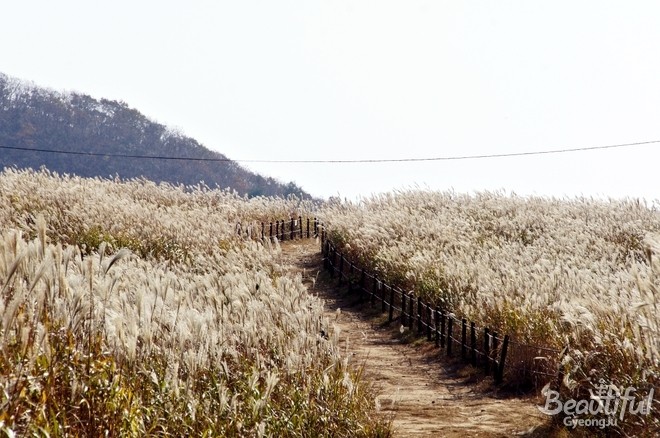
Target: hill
<point>95,131</point>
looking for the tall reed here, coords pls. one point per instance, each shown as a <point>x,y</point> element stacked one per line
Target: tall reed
<point>131,309</point>
<point>576,274</point>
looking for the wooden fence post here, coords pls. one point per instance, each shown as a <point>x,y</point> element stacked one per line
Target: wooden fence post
<point>429,318</point>
<point>301,226</point>
<point>333,261</point>
<point>560,371</point>
<point>419,315</point>
<point>277,230</point>
<point>473,343</point>
<point>391,315</point>
<point>493,350</point>
<point>436,316</point>
<point>328,264</point>
<point>341,268</point>
<point>450,329</point>
<point>363,289</point>
<point>442,329</point>
<point>486,351</point>
<point>291,230</point>
<point>463,338</point>
<point>403,309</point>
<point>499,376</point>
<point>308,228</point>
<point>350,277</point>
<point>324,252</point>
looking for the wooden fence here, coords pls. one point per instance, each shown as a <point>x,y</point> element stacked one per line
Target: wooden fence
<point>481,347</point>
<point>281,230</point>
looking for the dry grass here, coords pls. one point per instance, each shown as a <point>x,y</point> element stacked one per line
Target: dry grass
<point>582,274</point>
<point>130,309</point>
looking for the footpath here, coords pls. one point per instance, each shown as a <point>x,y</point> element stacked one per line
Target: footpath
<point>424,395</point>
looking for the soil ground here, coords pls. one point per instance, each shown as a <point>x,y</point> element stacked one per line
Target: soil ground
<point>423,393</point>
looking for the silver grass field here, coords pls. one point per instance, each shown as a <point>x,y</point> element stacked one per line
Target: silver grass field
<point>581,276</point>
<point>135,309</point>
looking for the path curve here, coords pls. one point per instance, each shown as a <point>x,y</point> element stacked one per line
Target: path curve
<point>422,393</point>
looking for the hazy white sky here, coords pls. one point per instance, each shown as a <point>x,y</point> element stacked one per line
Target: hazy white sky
<point>373,79</point>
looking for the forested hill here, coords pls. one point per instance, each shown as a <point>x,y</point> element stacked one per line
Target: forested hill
<point>39,118</point>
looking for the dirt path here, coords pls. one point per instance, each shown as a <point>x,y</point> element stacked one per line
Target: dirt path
<point>423,394</point>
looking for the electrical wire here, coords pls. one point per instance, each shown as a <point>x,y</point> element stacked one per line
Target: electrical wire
<point>347,161</point>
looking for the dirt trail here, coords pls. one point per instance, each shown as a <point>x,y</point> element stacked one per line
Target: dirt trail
<point>423,394</point>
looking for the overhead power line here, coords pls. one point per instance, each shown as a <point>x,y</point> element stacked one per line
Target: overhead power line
<point>368,160</point>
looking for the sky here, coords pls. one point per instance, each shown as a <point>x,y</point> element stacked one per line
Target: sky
<point>341,80</point>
